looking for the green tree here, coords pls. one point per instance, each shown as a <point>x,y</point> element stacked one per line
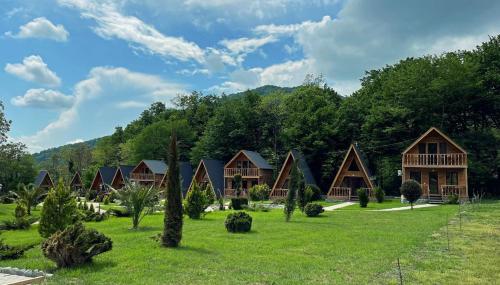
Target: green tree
<point>172,229</point>
<point>412,191</point>
<point>237,184</point>
<point>28,196</point>
<point>303,197</point>
<point>196,202</point>
<point>139,201</point>
<point>58,211</point>
<point>293,186</point>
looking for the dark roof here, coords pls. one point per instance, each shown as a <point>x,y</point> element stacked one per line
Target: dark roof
<point>215,171</point>
<point>40,177</point>
<point>107,174</point>
<point>126,169</point>
<point>156,166</point>
<point>77,174</point>
<point>364,159</point>
<point>257,159</point>
<point>186,173</point>
<point>304,167</point>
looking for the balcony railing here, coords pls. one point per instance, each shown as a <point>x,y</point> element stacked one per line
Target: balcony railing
<point>142,176</point>
<point>436,160</point>
<point>248,172</point>
<point>279,193</point>
<point>459,190</point>
<point>347,193</point>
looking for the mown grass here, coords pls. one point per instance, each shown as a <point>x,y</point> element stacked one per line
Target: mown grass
<point>7,212</point>
<point>341,247</point>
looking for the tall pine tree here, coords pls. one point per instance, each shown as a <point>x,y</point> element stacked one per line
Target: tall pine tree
<point>172,223</point>
<point>293,186</point>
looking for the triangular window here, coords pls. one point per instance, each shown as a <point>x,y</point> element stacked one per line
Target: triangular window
<point>353,166</point>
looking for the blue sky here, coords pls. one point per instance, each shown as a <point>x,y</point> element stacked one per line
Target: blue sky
<point>72,70</point>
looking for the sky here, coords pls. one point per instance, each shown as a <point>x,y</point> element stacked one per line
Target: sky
<point>73,70</point>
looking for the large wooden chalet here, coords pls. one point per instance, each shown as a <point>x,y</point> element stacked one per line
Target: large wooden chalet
<point>149,172</point>
<point>43,180</point>
<point>121,176</point>
<point>352,175</point>
<point>102,179</point>
<point>210,172</point>
<point>76,184</point>
<point>280,187</point>
<point>438,164</point>
<point>253,169</point>
<point>186,175</point>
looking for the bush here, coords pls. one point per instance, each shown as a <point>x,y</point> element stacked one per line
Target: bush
<point>139,201</point>
<point>105,201</point>
<point>59,210</point>
<point>363,197</point>
<point>75,245</point>
<point>7,200</point>
<point>195,202</point>
<point>210,195</point>
<point>313,209</point>
<point>21,221</point>
<point>379,194</point>
<point>238,222</point>
<point>237,203</point>
<point>119,212</point>
<point>12,252</point>
<point>411,190</point>
<point>316,192</point>
<point>259,192</point>
<point>452,199</point>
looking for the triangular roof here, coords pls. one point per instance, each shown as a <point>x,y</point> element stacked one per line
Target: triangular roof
<point>363,162</point>
<point>254,157</point>
<point>156,166</point>
<point>124,170</point>
<point>448,139</point>
<point>76,178</point>
<point>186,175</point>
<point>107,174</point>
<point>41,177</point>
<point>297,156</point>
<point>215,173</point>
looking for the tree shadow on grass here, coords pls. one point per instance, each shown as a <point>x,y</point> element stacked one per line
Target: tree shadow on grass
<point>94,266</point>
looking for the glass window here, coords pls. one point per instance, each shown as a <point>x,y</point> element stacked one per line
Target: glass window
<point>432,148</point>
<point>353,166</point>
<point>416,175</point>
<point>452,178</point>
<point>421,148</point>
<point>443,148</point>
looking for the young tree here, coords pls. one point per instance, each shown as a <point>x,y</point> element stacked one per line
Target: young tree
<point>139,201</point>
<point>196,202</point>
<point>303,196</point>
<point>412,191</point>
<point>172,228</point>
<point>28,196</point>
<point>293,186</point>
<point>237,184</point>
<point>59,210</point>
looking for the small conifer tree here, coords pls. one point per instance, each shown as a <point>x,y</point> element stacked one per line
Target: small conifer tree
<point>59,210</point>
<point>293,186</point>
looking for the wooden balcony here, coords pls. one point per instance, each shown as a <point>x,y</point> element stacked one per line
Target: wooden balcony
<point>459,190</point>
<point>244,172</point>
<point>142,176</point>
<point>435,160</point>
<point>346,193</point>
<point>279,193</point>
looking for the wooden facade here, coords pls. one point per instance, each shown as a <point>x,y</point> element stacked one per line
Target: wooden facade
<point>149,172</point>
<point>121,176</point>
<point>210,173</point>
<point>76,184</point>
<point>186,176</point>
<point>438,164</point>
<point>43,180</point>
<point>352,175</point>
<point>280,187</point>
<point>253,169</point>
<point>102,179</point>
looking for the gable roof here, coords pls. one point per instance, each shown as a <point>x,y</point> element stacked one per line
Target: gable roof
<point>107,174</point>
<point>215,174</point>
<point>303,166</point>
<point>254,157</point>
<point>77,175</point>
<point>362,160</point>
<point>186,172</point>
<point>126,170</point>
<point>448,139</point>
<point>156,166</point>
<point>41,177</point>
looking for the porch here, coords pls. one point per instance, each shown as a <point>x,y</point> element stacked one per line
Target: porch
<point>348,194</point>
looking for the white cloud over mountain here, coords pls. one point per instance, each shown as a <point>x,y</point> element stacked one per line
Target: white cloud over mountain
<point>43,98</point>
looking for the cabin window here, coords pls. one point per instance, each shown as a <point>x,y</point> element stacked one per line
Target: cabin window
<point>353,166</point>
<point>452,178</point>
<point>443,148</point>
<point>244,184</point>
<point>245,164</point>
<point>432,148</point>
<point>421,148</point>
<point>416,175</point>
<point>238,164</point>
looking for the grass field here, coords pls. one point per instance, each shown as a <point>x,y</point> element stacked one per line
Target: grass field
<point>354,246</point>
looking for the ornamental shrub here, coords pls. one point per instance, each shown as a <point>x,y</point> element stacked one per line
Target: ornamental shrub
<point>119,212</point>
<point>379,194</point>
<point>363,197</point>
<point>259,192</point>
<point>105,201</point>
<point>313,209</point>
<point>411,190</point>
<point>75,245</point>
<point>12,252</point>
<point>238,203</point>
<point>452,199</point>
<point>316,192</point>
<point>58,211</point>
<point>238,222</point>
<point>196,202</point>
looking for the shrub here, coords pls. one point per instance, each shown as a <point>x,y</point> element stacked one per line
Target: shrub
<point>363,197</point>
<point>7,199</point>
<point>316,192</point>
<point>75,245</point>
<point>196,202</point>
<point>21,221</point>
<point>59,210</point>
<point>237,184</point>
<point>210,195</point>
<point>293,186</point>
<point>139,201</point>
<point>28,195</point>
<point>259,192</point>
<point>12,252</point>
<point>411,190</point>
<point>313,209</point>
<point>237,203</point>
<point>119,212</point>
<point>221,203</point>
<point>238,222</point>
<point>452,199</point>
<point>379,194</point>
<point>105,201</point>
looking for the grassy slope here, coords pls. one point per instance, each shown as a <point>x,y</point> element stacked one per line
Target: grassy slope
<point>340,247</point>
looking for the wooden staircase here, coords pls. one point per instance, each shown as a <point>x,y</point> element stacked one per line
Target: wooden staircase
<point>435,199</point>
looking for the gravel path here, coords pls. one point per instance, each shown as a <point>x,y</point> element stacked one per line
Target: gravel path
<point>407,208</point>
<point>338,206</point>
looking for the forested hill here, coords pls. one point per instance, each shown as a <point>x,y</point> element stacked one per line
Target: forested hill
<point>457,92</point>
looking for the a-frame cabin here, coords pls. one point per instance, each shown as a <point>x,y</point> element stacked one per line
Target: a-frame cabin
<point>210,172</point>
<point>149,172</point>
<point>76,184</point>
<point>252,167</point>
<point>122,175</point>
<point>102,179</point>
<point>43,180</point>
<point>280,187</point>
<point>439,164</point>
<point>352,175</point>
<point>186,175</point>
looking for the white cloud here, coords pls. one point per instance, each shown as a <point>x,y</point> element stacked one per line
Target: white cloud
<point>131,104</point>
<point>113,24</point>
<point>75,141</point>
<point>246,45</point>
<point>41,28</point>
<point>35,70</point>
<point>43,98</point>
<point>257,8</point>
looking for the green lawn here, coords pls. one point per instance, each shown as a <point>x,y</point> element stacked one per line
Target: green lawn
<point>354,246</point>
<point>7,211</point>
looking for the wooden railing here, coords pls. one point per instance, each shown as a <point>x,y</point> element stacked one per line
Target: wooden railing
<point>279,193</point>
<point>449,159</point>
<point>340,193</point>
<point>142,176</point>
<point>459,190</point>
<point>230,172</point>
<point>229,193</point>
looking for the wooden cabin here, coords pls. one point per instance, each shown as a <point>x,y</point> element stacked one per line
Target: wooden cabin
<point>76,184</point>
<point>186,175</point>
<point>438,164</point>
<point>102,179</point>
<point>280,187</point>
<point>352,175</point>
<point>43,180</point>
<point>122,175</point>
<point>210,172</point>
<point>253,169</point>
<point>149,172</point>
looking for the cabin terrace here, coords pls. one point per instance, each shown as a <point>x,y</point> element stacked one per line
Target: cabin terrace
<point>280,187</point>
<point>149,172</point>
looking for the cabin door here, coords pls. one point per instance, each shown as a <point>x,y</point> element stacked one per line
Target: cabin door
<point>433,183</point>
<point>354,183</point>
